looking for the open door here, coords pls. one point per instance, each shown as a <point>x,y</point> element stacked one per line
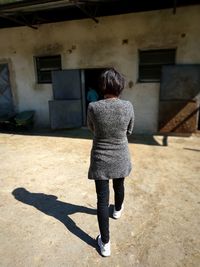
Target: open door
<point>66,110</point>
<point>179,98</point>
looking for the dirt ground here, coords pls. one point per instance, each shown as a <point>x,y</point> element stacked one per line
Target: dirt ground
<point>48,206</point>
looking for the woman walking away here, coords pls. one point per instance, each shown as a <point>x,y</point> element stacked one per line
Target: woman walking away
<point>110,120</point>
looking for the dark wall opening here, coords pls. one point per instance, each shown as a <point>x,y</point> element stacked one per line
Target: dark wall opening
<point>92,81</point>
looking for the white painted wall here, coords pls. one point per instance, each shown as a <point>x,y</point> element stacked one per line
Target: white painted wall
<point>100,45</point>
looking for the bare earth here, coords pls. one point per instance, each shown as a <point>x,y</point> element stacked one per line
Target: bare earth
<point>48,206</point>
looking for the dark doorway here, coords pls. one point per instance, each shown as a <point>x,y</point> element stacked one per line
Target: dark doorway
<point>92,82</point>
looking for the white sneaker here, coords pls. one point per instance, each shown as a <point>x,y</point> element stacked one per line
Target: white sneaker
<point>117,214</point>
<point>104,248</point>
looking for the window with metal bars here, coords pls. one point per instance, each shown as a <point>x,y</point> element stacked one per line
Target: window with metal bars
<point>151,62</point>
<point>45,65</point>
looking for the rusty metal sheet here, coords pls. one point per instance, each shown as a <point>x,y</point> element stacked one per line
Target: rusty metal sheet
<point>178,116</point>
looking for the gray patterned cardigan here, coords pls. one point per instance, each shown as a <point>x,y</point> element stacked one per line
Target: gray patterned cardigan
<point>110,120</point>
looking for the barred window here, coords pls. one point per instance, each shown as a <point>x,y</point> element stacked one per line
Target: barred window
<point>151,62</point>
<point>45,65</point>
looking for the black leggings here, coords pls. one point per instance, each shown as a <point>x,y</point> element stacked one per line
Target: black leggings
<point>102,190</point>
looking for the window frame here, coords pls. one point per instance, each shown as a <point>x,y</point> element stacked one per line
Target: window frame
<point>40,70</point>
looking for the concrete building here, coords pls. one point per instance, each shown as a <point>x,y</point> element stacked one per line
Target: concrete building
<point>118,41</point>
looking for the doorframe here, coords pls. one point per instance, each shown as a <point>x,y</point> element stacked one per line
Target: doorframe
<point>198,116</point>
<point>84,119</point>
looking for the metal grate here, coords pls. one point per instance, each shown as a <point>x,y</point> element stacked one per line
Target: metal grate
<point>151,62</point>
<point>45,65</point>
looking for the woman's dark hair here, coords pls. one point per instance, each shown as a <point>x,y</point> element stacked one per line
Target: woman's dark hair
<point>111,82</point>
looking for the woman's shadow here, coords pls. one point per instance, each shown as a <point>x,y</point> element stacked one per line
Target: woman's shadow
<point>58,209</point>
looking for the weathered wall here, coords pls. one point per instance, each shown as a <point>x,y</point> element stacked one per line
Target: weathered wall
<point>85,44</point>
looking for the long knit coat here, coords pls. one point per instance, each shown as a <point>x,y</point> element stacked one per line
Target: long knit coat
<point>110,120</point>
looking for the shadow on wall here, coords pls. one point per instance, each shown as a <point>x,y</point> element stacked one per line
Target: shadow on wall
<point>50,205</point>
<point>178,116</point>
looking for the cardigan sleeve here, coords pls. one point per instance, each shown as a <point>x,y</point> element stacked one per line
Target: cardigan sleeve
<point>131,122</point>
<point>90,123</point>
